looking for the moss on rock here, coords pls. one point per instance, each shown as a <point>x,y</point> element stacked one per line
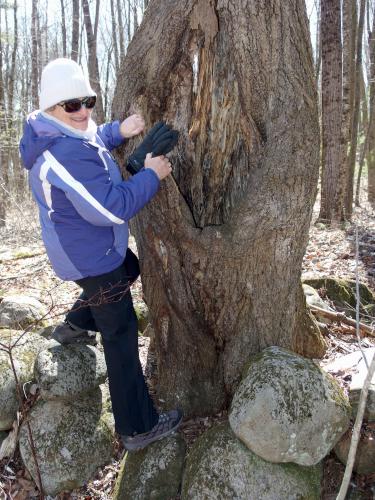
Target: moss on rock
<point>141,310</point>
<point>342,292</point>
<point>72,440</point>
<point>220,466</point>
<point>287,409</point>
<point>154,472</point>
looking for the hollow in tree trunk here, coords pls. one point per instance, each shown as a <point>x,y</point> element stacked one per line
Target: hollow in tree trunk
<point>221,245</point>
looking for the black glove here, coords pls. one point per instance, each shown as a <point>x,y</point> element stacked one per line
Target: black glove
<point>160,140</point>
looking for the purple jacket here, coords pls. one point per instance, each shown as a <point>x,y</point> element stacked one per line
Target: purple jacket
<point>84,205</point>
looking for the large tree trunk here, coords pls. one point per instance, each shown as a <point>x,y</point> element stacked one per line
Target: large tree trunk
<point>333,153</point>
<point>221,245</point>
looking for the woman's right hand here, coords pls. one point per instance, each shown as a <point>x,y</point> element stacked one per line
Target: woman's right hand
<point>160,165</point>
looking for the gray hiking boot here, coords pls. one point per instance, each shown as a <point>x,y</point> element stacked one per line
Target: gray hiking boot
<point>167,424</point>
<point>67,333</point>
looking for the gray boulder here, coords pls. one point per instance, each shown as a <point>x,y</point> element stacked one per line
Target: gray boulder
<point>220,466</point>
<point>154,472</point>
<point>68,371</point>
<point>19,311</point>
<point>287,409</point>
<point>353,364</point>
<point>72,440</point>
<point>24,355</point>
<point>365,454</point>
<point>313,298</point>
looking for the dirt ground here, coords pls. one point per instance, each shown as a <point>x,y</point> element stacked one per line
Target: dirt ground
<point>24,269</point>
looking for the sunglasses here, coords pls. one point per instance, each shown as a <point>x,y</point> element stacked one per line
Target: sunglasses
<point>74,105</point>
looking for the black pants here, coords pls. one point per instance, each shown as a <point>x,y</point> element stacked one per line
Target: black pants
<point>105,305</point>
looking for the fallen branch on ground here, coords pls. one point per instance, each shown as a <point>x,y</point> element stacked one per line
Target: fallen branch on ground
<point>341,318</point>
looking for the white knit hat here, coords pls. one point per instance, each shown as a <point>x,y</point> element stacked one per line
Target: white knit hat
<point>62,79</point>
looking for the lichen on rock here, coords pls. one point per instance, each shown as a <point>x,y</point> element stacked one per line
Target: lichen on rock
<point>286,409</point>
<point>72,440</point>
<point>154,472</point>
<point>220,466</point>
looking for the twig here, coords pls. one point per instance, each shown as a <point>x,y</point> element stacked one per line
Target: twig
<point>357,295</point>
<point>362,400</point>
<point>356,432</point>
<point>30,435</point>
<point>338,316</point>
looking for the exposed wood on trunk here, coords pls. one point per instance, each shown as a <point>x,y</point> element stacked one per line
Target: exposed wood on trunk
<point>333,165</point>
<point>221,245</point>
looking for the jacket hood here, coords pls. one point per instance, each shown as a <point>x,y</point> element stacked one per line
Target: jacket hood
<point>39,134</point>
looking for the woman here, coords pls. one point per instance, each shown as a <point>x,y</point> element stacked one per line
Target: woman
<point>84,208</point>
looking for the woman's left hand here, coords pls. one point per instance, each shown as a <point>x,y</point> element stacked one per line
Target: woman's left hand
<point>131,126</point>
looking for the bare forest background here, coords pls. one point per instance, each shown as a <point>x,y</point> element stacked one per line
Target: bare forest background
<point>96,33</point>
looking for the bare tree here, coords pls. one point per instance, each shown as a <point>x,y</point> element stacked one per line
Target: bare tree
<point>75,30</point>
<point>92,57</point>
<point>333,165</point>
<point>371,134</point>
<point>34,54</point>
<point>354,128</point>
<point>221,245</point>
<point>63,27</point>
<point>115,38</point>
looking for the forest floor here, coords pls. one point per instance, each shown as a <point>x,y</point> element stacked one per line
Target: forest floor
<point>24,269</point>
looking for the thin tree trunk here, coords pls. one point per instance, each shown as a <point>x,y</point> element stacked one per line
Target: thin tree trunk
<point>354,129</point>
<point>75,30</point>
<point>371,135</point>
<point>4,168</point>
<point>63,27</point>
<point>120,13</point>
<point>34,55</point>
<point>114,38</point>
<point>333,165</point>
<point>365,130</point>
<point>221,245</point>
<point>93,60</point>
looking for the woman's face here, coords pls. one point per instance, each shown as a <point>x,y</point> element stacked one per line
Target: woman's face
<point>79,119</point>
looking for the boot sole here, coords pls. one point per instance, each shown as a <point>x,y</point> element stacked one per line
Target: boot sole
<point>135,447</point>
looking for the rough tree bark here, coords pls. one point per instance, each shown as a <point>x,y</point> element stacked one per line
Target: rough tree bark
<point>222,243</point>
<point>349,35</point>
<point>333,153</point>
<point>354,127</point>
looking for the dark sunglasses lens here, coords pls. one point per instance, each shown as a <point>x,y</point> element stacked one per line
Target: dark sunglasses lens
<point>90,102</point>
<point>72,106</point>
<point>75,105</point>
